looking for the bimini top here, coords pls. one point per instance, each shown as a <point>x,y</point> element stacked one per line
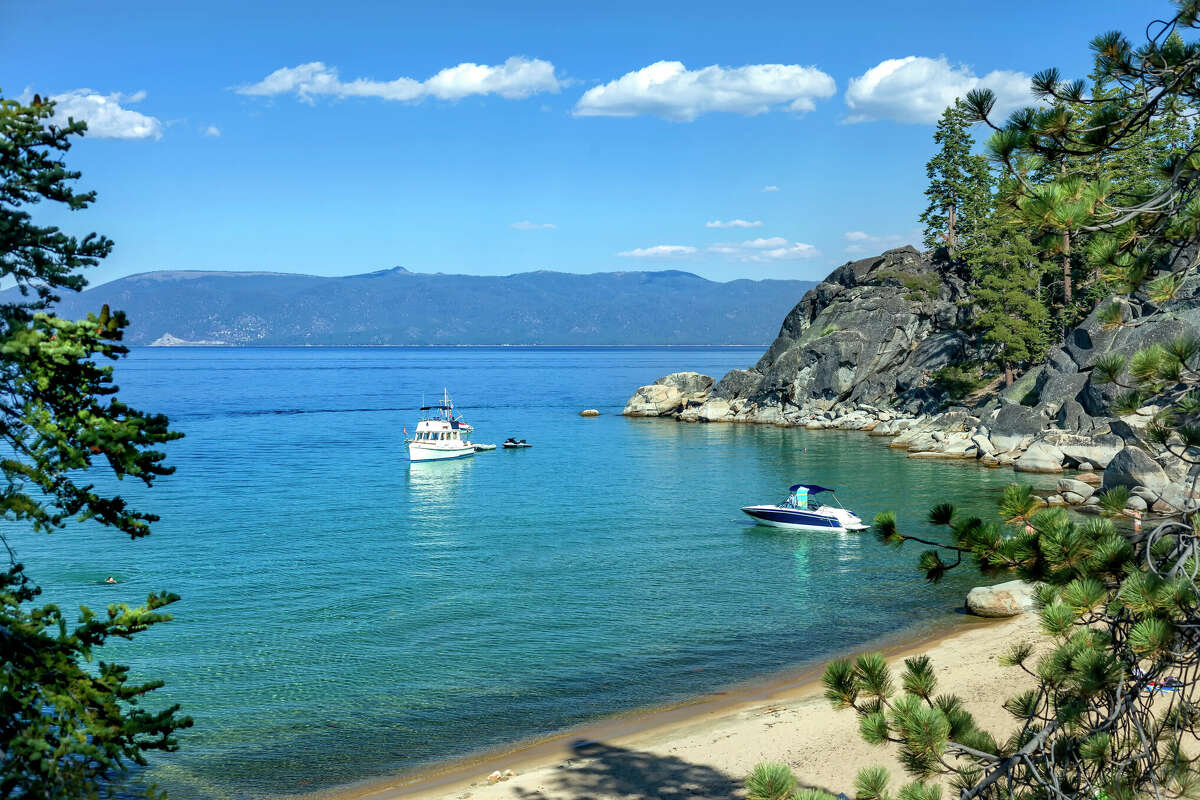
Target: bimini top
<point>812,488</point>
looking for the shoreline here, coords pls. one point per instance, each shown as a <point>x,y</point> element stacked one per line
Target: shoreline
<point>718,715</point>
<point>236,346</point>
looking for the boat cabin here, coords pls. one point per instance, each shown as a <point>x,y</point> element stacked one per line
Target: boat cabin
<point>438,430</point>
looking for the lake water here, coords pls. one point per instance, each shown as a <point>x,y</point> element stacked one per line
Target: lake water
<point>347,615</point>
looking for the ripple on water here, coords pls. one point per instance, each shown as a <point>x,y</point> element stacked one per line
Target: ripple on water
<point>346,615</point>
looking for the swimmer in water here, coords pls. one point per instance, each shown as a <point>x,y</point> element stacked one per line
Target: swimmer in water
<point>110,579</point>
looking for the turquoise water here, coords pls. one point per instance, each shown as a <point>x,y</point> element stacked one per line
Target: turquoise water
<point>346,615</point>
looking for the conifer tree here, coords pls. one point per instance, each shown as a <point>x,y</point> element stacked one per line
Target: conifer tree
<point>959,184</point>
<point>1113,706</point>
<point>67,728</point>
<point>1006,271</point>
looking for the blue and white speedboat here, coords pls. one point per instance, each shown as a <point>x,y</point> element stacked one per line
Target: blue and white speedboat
<point>801,512</point>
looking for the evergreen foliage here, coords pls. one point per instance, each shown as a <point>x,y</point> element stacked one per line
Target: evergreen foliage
<point>1079,208</point>
<point>67,728</point>
<point>1103,184</point>
<point>960,182</point>
<point>1007,272</point>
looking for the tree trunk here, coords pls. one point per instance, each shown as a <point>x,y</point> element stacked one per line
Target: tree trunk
<point>1066,248</point>
<point>1009,378</point>
<point>952,218</point>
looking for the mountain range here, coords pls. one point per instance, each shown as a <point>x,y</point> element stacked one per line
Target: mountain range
<point>398,307</point>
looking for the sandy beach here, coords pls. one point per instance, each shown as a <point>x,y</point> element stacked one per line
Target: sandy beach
<point>705,749</point>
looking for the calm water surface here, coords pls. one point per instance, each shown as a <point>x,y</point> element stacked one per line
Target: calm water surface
<point>346,615</point>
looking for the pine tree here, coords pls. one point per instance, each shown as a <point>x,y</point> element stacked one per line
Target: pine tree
<point>67,728</point>
<point>1006,271</point>
<point>959,189</point>
<point>1113,708</point>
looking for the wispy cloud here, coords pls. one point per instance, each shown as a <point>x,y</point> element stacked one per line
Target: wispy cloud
<point>733,223</point>
<point>516,78</point>
<point>917,89</point>
<point>660,251</point>
<point>863,242</point>
<point>769,189</point>
<point>105,114</point>
<point>774,248</point>
<point>212,130</point>
<point>526,225</point>
<point>669,90</point>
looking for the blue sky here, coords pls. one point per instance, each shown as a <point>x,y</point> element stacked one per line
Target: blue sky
<point>309,137</point>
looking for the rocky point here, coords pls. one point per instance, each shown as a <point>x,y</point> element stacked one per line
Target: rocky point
<point>859,352</point>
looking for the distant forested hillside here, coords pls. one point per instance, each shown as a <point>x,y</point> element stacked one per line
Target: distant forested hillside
<point>398,307</point>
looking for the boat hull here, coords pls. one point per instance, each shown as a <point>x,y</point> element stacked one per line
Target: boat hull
<point>418,453</point>
<point>798,520</point>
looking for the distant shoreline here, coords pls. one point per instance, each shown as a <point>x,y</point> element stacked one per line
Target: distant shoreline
<point>422,346</point>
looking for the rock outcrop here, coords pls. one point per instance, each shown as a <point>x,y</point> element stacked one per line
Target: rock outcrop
<point>871,333</point>
<point>669,395</point>
<point>861,352</point>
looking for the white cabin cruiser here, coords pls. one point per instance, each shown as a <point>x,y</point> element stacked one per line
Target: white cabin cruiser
<point>800,512</point>
<point>440,436</point>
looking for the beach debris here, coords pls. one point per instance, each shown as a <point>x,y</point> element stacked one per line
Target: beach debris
<point>495,777</point>
<point>508,773</point>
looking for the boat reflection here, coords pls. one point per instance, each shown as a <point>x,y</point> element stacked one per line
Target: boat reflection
<point>433,485</point>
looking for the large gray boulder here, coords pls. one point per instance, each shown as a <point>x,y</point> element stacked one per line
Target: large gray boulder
<point>1095,449</point>
<point>1013,425</point>
<point>1133,466</point>
<point>1084,490</point>
<point>669,395</point>
<point>655,400</point>
<point>1040,458</point>
<point>1002,600</point>
<point>687,383</point>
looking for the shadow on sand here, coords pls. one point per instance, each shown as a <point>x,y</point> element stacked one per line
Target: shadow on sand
<point>597,770</point>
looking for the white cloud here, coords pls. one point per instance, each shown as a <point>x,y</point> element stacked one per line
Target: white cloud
<point>774,248</point>
<point>526,225</point>
<point>212,130</point>
<point>733,223</point>
<point>106,118</point>
<point>758,244</point>
<point>516,78</point>
<point>669,90</point>
<point>769,189</point>
<point>659,251</point>
<point>862,242</point>
<point>917,89</point>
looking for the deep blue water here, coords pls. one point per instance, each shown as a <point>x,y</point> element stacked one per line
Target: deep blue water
<point>346,615</point>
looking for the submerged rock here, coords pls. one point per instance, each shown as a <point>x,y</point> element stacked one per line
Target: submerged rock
<point>1002,600</point>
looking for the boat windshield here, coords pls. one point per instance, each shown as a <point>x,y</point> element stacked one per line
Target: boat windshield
<point>801,500</point>
<point>798,499</point>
